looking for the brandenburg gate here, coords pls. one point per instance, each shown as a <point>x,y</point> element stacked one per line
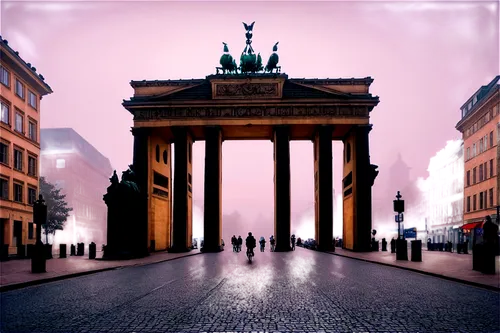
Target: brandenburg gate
<point>250,102</point>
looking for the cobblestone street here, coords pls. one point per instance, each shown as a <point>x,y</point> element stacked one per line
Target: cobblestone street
<point>301,291</point>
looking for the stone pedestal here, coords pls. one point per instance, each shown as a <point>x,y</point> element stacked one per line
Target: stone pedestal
<point>213,190</point>
<point>282,212</point>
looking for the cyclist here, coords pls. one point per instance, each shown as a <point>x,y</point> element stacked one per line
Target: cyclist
<point>251,244</point>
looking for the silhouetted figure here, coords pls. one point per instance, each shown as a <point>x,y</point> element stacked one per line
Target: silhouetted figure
<point>250,243</point>
<point>293,242</point>
<point>234,243</point>
<point>272,241</point>
<point>490,238</point>
<point>240,242</point>
<point>262,243</point>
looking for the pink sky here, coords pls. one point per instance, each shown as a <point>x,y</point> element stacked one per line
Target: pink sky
<point>427,58</point>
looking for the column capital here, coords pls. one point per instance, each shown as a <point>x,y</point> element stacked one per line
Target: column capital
<point>140,131</point>
<point>366,127</point>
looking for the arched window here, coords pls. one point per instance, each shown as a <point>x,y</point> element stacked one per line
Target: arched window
<point>158,153</point>
<point>165,157</point>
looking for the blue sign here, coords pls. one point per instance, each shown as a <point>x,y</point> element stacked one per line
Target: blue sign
<point>410,233</point>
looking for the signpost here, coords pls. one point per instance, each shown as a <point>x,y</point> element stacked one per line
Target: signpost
<point>399,207</point>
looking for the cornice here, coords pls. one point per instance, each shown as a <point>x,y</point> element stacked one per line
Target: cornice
<point>23,69</point>
<point>480,111</point>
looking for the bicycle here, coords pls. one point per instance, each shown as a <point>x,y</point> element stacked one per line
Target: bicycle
<point>250,255</point>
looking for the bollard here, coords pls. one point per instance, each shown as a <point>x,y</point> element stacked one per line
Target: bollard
<point>80,249</point>
<point>92,250</point>
<point>48,251</point>
<point>73,250</point>
<point>4,252</point>
<point>384,244</point>
<point>21,251</point>
<point>62,250</point>
<point>393,246</point>
<point>416,250</point>
<point>477,257</point>
<point>30,248</point>
<point>38,260</point>
<point>401,249</point>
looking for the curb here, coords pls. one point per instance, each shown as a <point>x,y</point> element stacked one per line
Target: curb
<point>471,283</point>
<point>14,286</point>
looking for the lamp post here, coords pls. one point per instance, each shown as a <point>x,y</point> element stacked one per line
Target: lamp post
<point>38,259</point>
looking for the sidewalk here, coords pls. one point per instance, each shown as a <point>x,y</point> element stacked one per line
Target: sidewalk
<point>452,266</point>
<point>16,273</point>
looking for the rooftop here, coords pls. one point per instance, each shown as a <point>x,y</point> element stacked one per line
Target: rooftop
<point>480,96</point>
<point>15,54</point>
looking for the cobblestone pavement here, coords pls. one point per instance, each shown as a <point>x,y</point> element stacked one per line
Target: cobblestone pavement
<point>300,291</point>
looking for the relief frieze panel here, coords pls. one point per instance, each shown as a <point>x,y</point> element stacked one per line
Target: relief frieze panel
<point>247,90</point>
<point>251,112</point>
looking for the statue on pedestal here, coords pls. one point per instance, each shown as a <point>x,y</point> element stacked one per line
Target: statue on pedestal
<point>122,199</point>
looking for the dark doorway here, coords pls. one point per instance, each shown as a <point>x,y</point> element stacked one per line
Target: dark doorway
<point>18,233</point>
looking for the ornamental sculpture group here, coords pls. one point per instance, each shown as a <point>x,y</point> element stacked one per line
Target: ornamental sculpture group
<point>249,62</point>
<point>122,199</point>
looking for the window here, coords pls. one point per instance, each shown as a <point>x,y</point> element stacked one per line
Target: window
<point>165,157</point>
<point>19,89</point>
<point>18,160</point>
<point>31,195</point>
<point>30,230</point>
<point>474,175</point>
<point>32,131</point>
<point>31,166</point>
<point>468,204</point>
<point>481,173</point>
<point>19,126</point>
<point>468,154</point>
<point>18,192</point>
<point>486,142</point>
<point>4,153</point>
<point>481,200</point>
<point>474,150</point>
<point>491,197</point>
<point>32,99</point>
<point>5,117</point>
<point>480,146</point>
<point>60,163</point>
<point>491,139</point>
<point>468,178</point>
<point>485,170</point>
<point>4,77</point>
<point>474,200</point>
<point>491,168</point>
<point>4,185</point>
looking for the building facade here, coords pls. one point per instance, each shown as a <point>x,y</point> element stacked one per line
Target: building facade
<point>21,91</point>
<point>445,193</point>
<point>82,172</point>
<point>479,128</point>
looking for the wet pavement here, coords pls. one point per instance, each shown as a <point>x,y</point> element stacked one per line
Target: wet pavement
<point>301,291</point>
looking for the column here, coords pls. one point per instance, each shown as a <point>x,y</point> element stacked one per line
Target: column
<point>213,190</point>
<point>141,171</point>
<point>182,211</point>
<point>357,184</point>
<point>323,188</point>
<point>281,141</point>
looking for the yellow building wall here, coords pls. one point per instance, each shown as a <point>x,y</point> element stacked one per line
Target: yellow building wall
<point>349,200</point>
<point>11,210</point>
<point>160,197</point>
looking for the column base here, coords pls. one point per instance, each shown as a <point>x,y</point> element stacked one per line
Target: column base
<point>179,249</point>
<point>282,249</point>
<point>214,249</point>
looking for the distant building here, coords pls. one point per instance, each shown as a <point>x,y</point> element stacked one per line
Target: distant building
<point>82,172</point>
<point>445,193</point>
<point>21,91</point>
<point>480,132</point>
